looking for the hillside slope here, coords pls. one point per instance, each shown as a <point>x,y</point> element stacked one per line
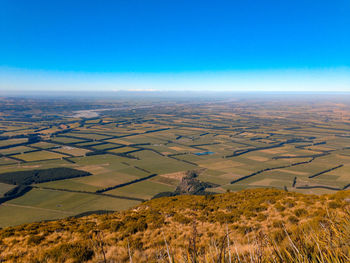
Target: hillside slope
<point>260,225</point>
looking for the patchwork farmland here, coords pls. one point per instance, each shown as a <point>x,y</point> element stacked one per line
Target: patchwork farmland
<point>134,150</point>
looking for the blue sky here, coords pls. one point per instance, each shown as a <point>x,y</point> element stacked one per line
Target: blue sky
<point>248,45</point>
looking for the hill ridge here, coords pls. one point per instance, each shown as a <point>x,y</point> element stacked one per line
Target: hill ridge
<point>257,225</point>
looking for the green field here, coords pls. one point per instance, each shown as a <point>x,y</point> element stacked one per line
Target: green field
<point>4,188</point>
<point>145,189</point>
<point>52,204</point>
<point>19,149</point>
<point>45,145</point>
<point>67,140</point>
<point>38,156</point>
<point>12,142</point>
<point>72,151</point>
<point>11,215</point>
<point>6,161</point>
<point>259,143</point>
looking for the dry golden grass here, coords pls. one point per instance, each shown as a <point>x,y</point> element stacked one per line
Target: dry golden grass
<point>260,225</point>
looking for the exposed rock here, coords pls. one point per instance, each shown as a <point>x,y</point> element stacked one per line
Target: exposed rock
<point>189,185</point>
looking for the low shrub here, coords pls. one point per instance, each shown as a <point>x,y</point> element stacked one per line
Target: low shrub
<point>293,219</point>
<point>72,252</point>
<point>35,240</point>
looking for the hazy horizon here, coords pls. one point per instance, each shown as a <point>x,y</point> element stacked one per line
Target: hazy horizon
<point>175,46</point>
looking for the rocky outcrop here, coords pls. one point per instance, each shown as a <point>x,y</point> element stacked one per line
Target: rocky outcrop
<point>189,185</point>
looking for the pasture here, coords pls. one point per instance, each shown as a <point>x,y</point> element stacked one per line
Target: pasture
<point>289,145</point>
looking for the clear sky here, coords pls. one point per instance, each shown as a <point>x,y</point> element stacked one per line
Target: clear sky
<point>234,45</point>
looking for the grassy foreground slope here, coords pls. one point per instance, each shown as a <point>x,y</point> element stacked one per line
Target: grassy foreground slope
<point>260,225</point>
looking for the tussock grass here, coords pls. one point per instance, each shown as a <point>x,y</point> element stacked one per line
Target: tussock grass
<point>260,225</point>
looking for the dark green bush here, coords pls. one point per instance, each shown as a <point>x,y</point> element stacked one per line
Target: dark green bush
<point>300,212</point>
<point>73,252</point>
<point>293,219</point>
<point>182,219</point>
<point>334,205</point>
<point>35,240</point>
<point>279,207</point>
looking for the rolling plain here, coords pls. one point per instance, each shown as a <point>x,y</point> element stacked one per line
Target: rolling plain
<point>136,149</point>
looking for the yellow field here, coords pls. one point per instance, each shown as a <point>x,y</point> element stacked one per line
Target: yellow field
<point>38,156</point>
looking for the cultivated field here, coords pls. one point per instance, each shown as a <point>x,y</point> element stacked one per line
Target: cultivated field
<point>137,150</point>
